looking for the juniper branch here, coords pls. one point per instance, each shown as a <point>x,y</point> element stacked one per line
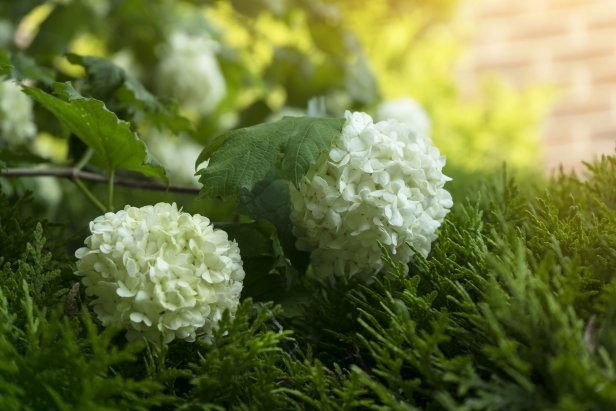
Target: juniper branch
<point>75,173</point>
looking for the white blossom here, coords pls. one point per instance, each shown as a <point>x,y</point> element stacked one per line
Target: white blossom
<point>379,182</point>
<point>189,71</point>
<point>160,272</point>
<point>405,110</point>
<point>126,60</point>
<point>178,155</point>
<point>16,120</point>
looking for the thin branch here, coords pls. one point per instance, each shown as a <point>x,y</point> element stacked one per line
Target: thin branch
<point>89,195</point>
<point>74,173</point>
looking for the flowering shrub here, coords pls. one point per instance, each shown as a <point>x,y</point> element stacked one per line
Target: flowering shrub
<point>158,271</point>
<point>190,72</point>
<point>514,308</point>
<point>16,121</point>
<point>379,182</point>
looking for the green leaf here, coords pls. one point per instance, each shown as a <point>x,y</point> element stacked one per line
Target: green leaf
<point>107,79</point>
<point>306,143</point>
<point>20,67</point>
<point>257,163</point>
<point>254,239</point>
<point>26,67</point>
<point>250,237</point>
<point>5,63</point>
<point>269,200</point>
<point>239,159</point>
<point>115,145</point>
<point>104,76</point>
<point>160,112</point>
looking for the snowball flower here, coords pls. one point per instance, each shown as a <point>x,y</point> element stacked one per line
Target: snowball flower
<point>190,72</point>
<point>405,110</point>
<point>379,182</point>
<point>178,155</point>
<point>158,271</point>
<point>16,121</point>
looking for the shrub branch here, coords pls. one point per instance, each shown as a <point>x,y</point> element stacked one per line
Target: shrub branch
<point>74,173</point>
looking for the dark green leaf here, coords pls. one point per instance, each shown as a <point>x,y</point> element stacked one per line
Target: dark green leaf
<point>27,68</point>
<point>107,79</point>
<point>20,67</point>
<point>115,145</point>
<point>241,158</point>
<point>5,63</point>
<point>158,111</point>
<point>104,76</point>
<point>269,200</point>
<point>253,241</point>
<point>307,141</point>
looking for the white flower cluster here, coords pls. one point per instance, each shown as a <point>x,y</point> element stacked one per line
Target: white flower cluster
<point>178,155</point>
<point>379,182</point>
<point>405,110</point>
<point>16,121</point>
<point>190,72</point>
<point>158,271</point>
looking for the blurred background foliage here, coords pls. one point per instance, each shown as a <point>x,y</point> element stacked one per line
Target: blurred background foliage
<point>274,56</point>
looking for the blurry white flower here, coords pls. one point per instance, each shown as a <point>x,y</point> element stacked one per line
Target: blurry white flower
<point>189,71</point>
<point>158,271</point>
<point>405,110</point>
<point>379,182</point>
<point>16,121</point>
<point>126,60</point>
<point>48,191</point>
<point>178,155</point>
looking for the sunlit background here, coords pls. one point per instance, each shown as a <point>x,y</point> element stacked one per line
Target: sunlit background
<point>528,83</point>
<point>569,45</point>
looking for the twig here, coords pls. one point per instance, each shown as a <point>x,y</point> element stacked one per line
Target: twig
<point>89,195</point>
<point>74,173</point>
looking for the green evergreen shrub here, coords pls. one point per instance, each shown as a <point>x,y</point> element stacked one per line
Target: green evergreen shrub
<point>514,309</point>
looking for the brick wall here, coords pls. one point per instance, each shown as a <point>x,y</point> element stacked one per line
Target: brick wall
<point>567,43</point>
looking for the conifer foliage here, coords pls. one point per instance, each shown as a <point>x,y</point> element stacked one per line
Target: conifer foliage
<point>513,309</point>
<point>316,261</point>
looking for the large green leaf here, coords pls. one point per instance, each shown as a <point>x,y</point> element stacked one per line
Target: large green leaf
<point>160,112</point>
<point>107,79</point>
<point>115,145</point>
<point>269,200</point>
<point>239,159</point>
<point>256,165</point>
